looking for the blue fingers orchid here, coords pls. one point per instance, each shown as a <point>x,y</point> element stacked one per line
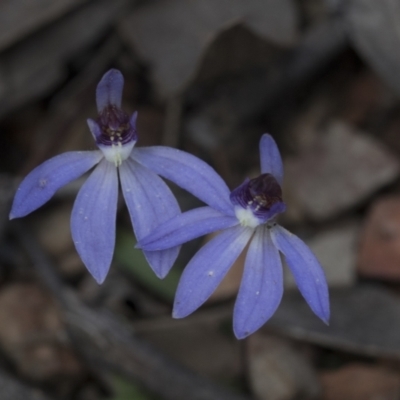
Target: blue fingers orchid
<point>149,200</point>
<point>250,219</point>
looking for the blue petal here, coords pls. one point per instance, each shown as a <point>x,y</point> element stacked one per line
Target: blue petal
<point>271,161</point>
<point>185,227</point>
<point>150,203</point>
<point>307,271</point>
<point>94,128</point>
<point>207,269</point>
<point>41,184</point>
<point>133,120</point>
<point>109,90</point>
<point>188,172</point>
<point>93,219</point>
<point>262,285</point>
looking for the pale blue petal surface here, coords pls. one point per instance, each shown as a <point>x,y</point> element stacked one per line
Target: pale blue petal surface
<point>188,172</point>
<point>109,90</point>
<point>270,157</point>
<point>93,219</point>
<point>307,272</point>
<point>150,202</point>
<point>207,269</point>
<point>41,184</point>
<point>185,227</point>
<point>261,288</point>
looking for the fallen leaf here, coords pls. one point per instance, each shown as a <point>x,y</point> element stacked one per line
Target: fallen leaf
<point>172,36</point>
<point>338,171</point>
<point>364,320</point>
<point>379,255</point>
<point>374,31</point>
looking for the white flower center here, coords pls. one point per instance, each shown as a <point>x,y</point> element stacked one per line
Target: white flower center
<point>117,152</point>
<point>246,217</point>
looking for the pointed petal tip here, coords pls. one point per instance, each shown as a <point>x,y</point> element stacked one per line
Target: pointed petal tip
<point>323,315</point>
<point>11,216</point>
<point>240,335</point>
<point>176,314</point>
<point>99,279</point>
<point>161,275</point>
<point>270,157</point>
<point>179,312</point>
<point>325,319</point>
<point>99,276</point>
<point>242,332</point>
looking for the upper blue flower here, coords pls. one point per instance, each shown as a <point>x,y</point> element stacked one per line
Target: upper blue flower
<point>250,219</point>
<point>149,200</point>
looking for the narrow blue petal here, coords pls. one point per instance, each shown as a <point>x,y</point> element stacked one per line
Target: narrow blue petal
<point>271,161</point>
<point>93,219</point>
<point>262,285</point>
<point>207,269</point>
<point>188,172</point>
<point>150,202</point>
<point>94,128</point>
<point>109,90</point>
<point>133,120</point>
<point>41,184</point>
<point>307,272</point>
<point>185,227</point>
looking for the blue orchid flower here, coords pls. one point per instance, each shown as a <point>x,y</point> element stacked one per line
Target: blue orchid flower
<point>249,220</point>
<point>149,200</point>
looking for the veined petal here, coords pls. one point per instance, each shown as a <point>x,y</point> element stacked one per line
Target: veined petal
<point>150,202</point>
<point>93,220</point>
<point>188,172</point>
<point>270,157</point>
<point>41,184</point>
<point>207,269</point>
<point>262,285</point>
<point>307,272</point>
<point>185,227</point>
<point>109,90</point>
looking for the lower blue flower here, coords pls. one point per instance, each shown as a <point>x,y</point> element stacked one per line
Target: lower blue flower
<point>149,200</point>
<point>250,221</point>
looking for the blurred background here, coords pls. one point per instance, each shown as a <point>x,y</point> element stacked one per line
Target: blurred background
<point>209,77</point>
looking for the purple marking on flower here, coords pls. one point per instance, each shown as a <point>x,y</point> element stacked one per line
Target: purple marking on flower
<point>150,201</point>
<point>261,195</point>
<point>255,204</point>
